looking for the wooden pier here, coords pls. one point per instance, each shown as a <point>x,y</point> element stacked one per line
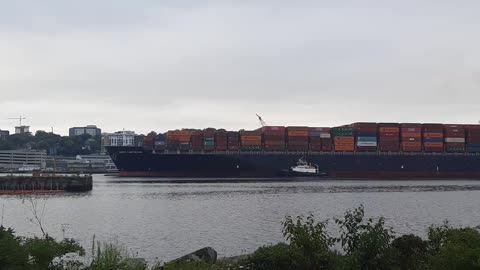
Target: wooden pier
<point>44,183</point>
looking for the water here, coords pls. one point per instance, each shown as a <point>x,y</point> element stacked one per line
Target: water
<point>159,220</point>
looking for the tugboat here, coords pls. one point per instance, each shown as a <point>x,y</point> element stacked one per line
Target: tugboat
<point>304,168</point>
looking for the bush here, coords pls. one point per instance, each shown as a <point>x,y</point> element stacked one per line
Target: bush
<point>272,257</point>
<point>454,248</point>
<point>409,252</point>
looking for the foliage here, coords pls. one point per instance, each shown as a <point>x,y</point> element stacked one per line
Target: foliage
<point>366,244</point>
<point>309,243</point>
<point>410,252</point>
<point>33,253</point>
<point>455,248</point>
<point>187,265</point>
<point>54,144</point>
<point>272,257</point>
<point>107,256</point>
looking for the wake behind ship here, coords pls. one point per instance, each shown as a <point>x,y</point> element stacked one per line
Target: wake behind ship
<point>357,151</point>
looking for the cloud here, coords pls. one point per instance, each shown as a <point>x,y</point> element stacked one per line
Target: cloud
<point>158,65</point>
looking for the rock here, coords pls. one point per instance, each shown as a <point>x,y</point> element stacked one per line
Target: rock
<point>207,254</point>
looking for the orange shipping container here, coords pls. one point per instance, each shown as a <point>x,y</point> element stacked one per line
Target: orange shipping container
<point>433,135</point>
<point>414,135</point>
<point>251,143</point>
<point>179,133</point>
<point>412,144</point>
<point>433,144</point>
<point>344,139</point>
<point>389,129</point>
<point>344,149</point>
<point>248,138</point>
<point>298,133</point>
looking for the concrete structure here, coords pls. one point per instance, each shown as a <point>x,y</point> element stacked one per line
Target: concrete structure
<point>90,129</point>
<point>119,138</point>
<point>4,134</point>
<point>22,159</point>
<point>44,183</point>
<point>22,129</point>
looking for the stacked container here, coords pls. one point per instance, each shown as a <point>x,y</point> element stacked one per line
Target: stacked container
<point>148,142</point>
<point>433,138</point>
<point>196,140</point>
<point>178,140</point>
<point>221,140</point>
<point>343,138</point>
<point>233,141</point>
<point>411,137</point>
<point>297,139</point>
<point>274,138</point>
<point>326,139</point>
<point>454,138</point>
<point>209,140</point>
<point>473,139</point>
<point>160,144</point>
<point>389,137</point>
<point>366,135</point>
<point>250,140</point>
<point>315,135</point>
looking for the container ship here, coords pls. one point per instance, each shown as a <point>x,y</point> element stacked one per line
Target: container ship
<point>355,151</point>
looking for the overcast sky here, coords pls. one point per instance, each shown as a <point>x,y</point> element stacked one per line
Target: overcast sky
<point>159,65</point>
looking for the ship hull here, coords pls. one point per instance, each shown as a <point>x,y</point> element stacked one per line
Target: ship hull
<point>135,161</point>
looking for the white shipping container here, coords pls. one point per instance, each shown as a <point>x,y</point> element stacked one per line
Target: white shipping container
<point>455,140</point>
<point>325,135</point>
<point>366,143</point>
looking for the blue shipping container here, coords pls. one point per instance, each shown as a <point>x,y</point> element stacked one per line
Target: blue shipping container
<point>433,140</point>
<point>367,139</point>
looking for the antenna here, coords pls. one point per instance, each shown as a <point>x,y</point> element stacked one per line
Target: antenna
<point>261,121</point>
<point>19,119</point>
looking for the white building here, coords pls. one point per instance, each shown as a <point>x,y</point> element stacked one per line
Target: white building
<point>16,159</point>
<point>119,138</point>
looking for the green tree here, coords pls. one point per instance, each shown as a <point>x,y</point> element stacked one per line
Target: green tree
<point>410,252</point>
<point>309,242</point>
<point>12,254</point>
<point>454,248</point>
<point>367,244</point>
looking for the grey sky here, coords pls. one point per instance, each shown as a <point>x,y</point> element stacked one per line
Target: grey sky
<point>158,65</point>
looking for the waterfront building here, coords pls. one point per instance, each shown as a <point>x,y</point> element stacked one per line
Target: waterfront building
<point>89,129</point>
<point>20,159</point>
<point>22,129</point>
<point>4,134</point>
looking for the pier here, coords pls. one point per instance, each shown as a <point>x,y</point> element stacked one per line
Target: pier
<point>44,183</point>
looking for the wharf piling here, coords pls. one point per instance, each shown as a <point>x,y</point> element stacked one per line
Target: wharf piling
<point>45,183</point>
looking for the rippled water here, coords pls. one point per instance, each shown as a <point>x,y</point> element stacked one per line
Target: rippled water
<point>164,220</point>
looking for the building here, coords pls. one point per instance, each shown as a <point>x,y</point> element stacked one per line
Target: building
<point>22,129</point>
<point>4,134</point>
<point>90,129</point>
<point>119,138</point>
<point>22,159</point>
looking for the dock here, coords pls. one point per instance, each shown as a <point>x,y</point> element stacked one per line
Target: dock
<point>38,183</point>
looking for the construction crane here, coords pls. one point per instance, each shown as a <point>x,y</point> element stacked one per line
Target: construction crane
<point>261,121</point>
<point>19,119</point>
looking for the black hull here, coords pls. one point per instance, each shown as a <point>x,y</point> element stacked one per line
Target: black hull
<point>132,161</point>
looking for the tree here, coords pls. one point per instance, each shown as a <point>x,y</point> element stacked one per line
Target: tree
<point>410,252</point>
<point>367,244</point>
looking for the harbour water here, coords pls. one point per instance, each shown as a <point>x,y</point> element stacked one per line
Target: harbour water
<point>160,220</point>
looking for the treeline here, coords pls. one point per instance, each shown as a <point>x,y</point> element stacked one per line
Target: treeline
<point>54,144</point>
<point>358,244</point>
